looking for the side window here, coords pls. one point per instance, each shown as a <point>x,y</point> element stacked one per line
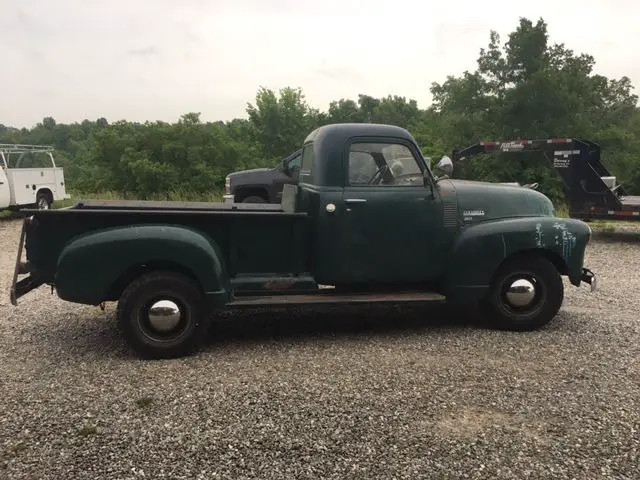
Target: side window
<point>383,164</point>
<point>307,164</point>
<point>295,161</point>
<point>362,166</point>
<point>29,160</point>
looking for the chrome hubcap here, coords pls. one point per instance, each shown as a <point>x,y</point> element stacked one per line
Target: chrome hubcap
<point>520,293</point>
<point>164,315</point>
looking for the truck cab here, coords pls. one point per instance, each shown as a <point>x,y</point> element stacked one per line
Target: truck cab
<point>381,216</point>
<point>366,220</point>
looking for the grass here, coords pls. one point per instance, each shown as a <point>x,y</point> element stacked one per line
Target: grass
<point>562,211</point>
<point>171,196</point>
<point>601,226</point>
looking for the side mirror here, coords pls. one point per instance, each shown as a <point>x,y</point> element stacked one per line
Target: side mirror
<point>290,171</point>
<point>446,165</point>
<point>285,168</point>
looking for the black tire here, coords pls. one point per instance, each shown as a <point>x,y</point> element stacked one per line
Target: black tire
<point>254,199</point>
<point>134,320</point>
<point>43,202</point>
<point>543,307</point>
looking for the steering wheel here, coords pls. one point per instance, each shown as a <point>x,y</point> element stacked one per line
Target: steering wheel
<point>378,173</point>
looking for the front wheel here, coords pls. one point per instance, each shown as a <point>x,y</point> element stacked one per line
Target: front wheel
<point>526,294</point>
<point>160,314</point>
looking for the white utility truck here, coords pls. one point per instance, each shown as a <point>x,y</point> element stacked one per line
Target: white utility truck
<point>29,177</point>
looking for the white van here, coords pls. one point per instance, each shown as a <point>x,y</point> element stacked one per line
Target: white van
<point>29,177</point>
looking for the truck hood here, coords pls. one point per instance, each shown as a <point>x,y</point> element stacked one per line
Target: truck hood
<point>482,201</point>
<point>242,173</point>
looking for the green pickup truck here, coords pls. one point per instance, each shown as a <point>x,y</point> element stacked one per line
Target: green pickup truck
<point>367,221</point>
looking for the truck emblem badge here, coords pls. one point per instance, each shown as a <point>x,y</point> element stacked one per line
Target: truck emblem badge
<point>330,207</point>
<point>473,213</point>
<point>469,214</point>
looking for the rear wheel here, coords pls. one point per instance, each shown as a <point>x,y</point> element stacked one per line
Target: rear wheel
<point>43,201</point>
<point>160,314</point>
<point>526,294</point>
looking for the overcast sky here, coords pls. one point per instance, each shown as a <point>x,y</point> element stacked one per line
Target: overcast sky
<point>157,59</point>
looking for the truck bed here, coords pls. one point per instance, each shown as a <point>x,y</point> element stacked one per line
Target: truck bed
<point>253,238</point>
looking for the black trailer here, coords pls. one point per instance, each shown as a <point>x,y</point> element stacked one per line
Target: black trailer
<point>593,193</point>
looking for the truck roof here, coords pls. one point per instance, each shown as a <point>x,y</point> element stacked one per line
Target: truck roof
<point>341,132</point>
<point>329,144</point>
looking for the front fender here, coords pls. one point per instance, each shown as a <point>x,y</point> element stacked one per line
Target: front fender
<point>480,249</point>
<point>90,264</point>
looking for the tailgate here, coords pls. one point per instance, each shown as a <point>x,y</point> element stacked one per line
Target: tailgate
<point>25,285</point>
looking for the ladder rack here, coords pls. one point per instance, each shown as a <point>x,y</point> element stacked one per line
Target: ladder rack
<point>24,148</point>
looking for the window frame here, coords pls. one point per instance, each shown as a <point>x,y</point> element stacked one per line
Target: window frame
<point>415,153</point>
<point>306,175</point>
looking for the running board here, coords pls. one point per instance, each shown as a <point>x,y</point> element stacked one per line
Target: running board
<point>333,298</point>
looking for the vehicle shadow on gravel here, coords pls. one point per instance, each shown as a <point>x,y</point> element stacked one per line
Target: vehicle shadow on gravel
<point>345,321</point>
<point>98,337</point>
<point>81,337</point>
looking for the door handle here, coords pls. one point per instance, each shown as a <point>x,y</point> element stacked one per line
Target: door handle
<point>355,200</point>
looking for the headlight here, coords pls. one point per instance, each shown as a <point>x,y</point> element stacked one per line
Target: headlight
<point>227,185</point>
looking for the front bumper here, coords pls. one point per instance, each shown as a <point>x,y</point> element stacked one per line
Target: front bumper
<point>228,198</point>
<point>589,277</point>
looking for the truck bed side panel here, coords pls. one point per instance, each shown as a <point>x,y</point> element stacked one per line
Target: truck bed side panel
<point>261,243</point>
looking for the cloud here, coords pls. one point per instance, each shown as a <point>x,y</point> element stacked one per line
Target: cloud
<point>145,51</point>
<point>115,59</point>
<point>23,18</point>
<point>339,74</point>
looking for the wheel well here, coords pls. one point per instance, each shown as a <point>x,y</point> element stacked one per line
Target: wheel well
<point>249,191</point>
<point>136,271</point>
<point>553,257</point>
<point>47,193</point>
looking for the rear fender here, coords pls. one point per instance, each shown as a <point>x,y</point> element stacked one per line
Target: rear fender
<point>91,264</point>
<point>480,250</point>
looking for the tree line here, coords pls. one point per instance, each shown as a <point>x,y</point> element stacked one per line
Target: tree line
<point>525,88</point>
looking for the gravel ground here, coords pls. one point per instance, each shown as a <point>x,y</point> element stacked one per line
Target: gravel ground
<point>327,393</point>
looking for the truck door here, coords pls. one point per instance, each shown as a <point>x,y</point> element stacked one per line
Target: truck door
<point>5,193</point>
<point>389,220</point>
